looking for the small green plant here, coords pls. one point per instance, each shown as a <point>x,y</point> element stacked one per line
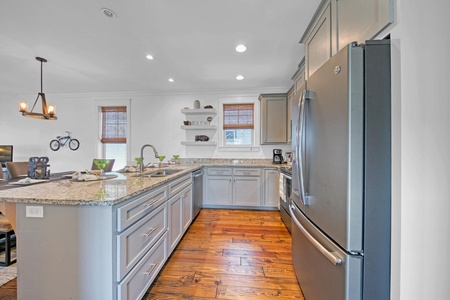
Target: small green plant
<point>101,163</point>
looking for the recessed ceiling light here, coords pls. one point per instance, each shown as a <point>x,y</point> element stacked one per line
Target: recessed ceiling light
<point>241,48</point>
<point>109,13</point>
<point>171,80</point>
<point>149,57</point>
<point>239,77</point>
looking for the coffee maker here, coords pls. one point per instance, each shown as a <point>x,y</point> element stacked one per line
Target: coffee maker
<point>277,156</point>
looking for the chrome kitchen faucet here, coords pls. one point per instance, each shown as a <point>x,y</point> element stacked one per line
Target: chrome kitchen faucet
<point>141,165</point>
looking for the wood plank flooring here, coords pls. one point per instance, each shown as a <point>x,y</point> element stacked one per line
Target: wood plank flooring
<point>225,254</point>
<point>230,254</point>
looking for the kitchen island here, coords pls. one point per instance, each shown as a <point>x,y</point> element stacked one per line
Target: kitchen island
<point>103,239</point>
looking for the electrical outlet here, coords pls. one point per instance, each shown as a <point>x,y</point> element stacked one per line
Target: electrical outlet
<point>34,211</point>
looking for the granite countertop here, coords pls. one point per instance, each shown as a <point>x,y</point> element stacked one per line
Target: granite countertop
<point>116,190</point>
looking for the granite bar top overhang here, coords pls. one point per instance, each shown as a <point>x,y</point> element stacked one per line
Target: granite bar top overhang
<point>113,191</point>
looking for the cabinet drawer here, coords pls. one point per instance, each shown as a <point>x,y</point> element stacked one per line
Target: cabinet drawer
<point>134,210</point>
<point>137,239</point>
<point>136,284</point>
<point>247,172</point>
<point>219,171</point>
<point>178,185</point>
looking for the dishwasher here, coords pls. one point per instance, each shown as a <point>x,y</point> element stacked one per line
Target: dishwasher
<point>197,192</point>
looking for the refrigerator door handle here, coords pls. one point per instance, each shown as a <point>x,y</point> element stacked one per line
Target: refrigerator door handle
<point>301,146</point>
<point>329,255</point>
<point>296,162</point>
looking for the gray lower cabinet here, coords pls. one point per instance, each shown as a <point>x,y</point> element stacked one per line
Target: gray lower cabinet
<point>218,186</point>
<point>247,186</point>
<point>242,187</point>
<point>175,205</point>
<point>271,188</point>
<point>137,282</point>
<point>179,201</point>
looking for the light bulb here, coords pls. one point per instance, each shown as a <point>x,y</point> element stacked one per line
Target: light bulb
<point>51,110</point>
<point>23,106</point>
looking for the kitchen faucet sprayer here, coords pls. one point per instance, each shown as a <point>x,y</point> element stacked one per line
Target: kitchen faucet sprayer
<point>141,165</point>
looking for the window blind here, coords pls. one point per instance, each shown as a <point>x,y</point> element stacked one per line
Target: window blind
<point>238,116</point>
<point>114,125</point>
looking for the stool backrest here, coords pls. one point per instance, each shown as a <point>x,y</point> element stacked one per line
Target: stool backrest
<point>17,169</point>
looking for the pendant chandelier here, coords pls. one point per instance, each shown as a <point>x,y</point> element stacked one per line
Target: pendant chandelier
<point>48,111</point>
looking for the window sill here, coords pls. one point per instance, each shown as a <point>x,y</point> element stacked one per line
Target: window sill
<point>238,149</point>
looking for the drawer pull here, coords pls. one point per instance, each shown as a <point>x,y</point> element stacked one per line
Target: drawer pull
<point>151,231</point>
<point>153,202</point>
<point>149,272</point>
<point>247,173</point>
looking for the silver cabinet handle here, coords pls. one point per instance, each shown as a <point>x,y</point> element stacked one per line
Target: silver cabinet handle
<point>150,232</point>
<point>153,202</point>
<point>329,255</point>
<point>149,272</point>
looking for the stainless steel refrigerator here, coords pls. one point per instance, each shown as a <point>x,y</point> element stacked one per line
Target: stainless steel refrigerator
<point>341,198</point>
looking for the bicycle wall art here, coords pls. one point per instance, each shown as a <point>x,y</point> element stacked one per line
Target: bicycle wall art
<point>62,141</point>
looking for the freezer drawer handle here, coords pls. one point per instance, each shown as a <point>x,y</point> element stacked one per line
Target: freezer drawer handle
<point>329,255</point>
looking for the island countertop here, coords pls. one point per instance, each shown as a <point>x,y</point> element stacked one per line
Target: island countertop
<point>111,191</point>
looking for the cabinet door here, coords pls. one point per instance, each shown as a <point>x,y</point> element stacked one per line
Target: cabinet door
<point>318,45</point>
<point>273,118</point>
<point>218,190</point>
<point>187,209</point>
<point>271,190</point>
<point>361,20</point>
<point>289,115</point>
<point>247,191</point>
<point>175,217</point>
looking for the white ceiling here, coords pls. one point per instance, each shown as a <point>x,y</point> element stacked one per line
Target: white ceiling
<point>192,41</point>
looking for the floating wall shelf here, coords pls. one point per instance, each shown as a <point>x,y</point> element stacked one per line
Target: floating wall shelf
<point>209,143</point>
<point>200,111</point>
<point>199,127</point>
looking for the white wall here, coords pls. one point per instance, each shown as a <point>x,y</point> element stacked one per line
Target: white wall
<point>155,119</point>
<point>421,148</point>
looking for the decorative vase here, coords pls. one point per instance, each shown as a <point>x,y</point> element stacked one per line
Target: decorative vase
<point>197,104</point>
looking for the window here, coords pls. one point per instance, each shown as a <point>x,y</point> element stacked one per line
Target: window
<point>114,134</point>
<point>238,125</point>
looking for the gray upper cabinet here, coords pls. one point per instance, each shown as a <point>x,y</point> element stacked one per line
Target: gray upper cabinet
<point>337,23</point>
<point>290,97</point>
<point>273,118</point>
<point>319,40</point>
<point>361,20</point>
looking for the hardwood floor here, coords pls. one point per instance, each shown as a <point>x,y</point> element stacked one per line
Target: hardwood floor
<point>8,291</point>
<point>225,254</point>
<point>230,254</point>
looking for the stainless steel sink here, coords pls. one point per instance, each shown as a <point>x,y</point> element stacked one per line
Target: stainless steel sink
<point>163,173</point>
